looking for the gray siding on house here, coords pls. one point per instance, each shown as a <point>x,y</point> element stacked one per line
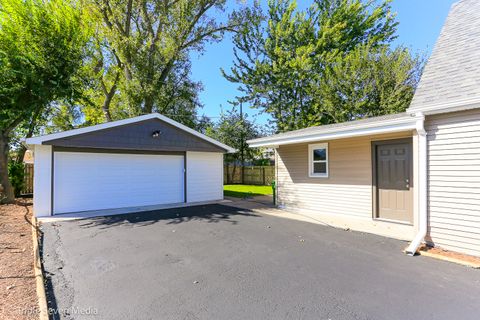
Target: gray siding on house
<point>454,181</point>
<point>138,136</point>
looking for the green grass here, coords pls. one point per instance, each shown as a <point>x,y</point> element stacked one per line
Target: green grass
<point>245,190</point>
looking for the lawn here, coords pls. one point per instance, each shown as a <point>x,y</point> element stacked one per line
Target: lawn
<point>245,190</point>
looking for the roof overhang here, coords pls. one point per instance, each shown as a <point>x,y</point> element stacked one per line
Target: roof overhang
<point>353,129</point>
<point>455,106</point>
<point>107,125</point>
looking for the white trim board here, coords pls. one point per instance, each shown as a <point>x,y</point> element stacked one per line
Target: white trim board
<point>353,129</point>
<point>311,172</point>
<point>459,105</point>
<point>106,125</point>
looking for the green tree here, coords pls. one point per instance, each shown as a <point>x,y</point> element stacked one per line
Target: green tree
<point>41,49</point>
<point>16,172</point>
<point>203,124</point>
<point>141,57</point>
<point>234,130</point>
<point>368,82</point>
<point>285,64</point>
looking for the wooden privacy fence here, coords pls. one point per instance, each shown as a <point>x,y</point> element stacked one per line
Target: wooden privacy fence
<point>258,175</point>
<point>28,179</point>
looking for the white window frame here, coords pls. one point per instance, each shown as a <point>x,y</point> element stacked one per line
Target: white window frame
<point>312,147</point>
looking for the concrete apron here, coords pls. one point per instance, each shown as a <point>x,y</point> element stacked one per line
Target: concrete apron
<point>262,205</point>
<point>111,212</point>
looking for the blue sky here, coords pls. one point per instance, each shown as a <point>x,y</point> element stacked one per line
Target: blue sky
<point>420,22</point>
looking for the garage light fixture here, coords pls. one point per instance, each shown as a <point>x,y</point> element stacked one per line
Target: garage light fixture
<point>156,134</point>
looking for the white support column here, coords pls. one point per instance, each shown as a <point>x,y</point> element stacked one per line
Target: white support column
<point>422,187</point>
<point>42,181</point>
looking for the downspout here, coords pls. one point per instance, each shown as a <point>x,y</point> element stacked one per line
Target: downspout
<point>275,201</point>
<point>422,186</point>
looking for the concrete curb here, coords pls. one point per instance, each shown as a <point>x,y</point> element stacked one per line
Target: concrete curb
<point>37,267</point>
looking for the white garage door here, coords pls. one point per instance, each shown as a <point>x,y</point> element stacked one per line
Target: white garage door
<point>94,181</point>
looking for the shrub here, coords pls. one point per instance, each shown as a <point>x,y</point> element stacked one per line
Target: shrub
<point>16,173</point>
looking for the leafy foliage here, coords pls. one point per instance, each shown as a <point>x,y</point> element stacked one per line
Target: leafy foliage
<point>367,82</point>
<point>140,61</point>
<point>234,131</point>
<point>16,172</point>
<point>41,49</point>
<point>295,65</point>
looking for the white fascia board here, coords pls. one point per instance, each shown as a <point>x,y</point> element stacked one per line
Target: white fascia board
<point>107,125</point>
<point>74,132</point>
<point>391,126</point>
<point>459,105</point>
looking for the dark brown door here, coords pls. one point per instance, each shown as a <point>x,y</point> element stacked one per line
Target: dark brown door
<point>394,189</point>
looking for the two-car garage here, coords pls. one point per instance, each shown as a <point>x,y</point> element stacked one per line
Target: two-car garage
<point>115,180</point>
<point>144,161</point>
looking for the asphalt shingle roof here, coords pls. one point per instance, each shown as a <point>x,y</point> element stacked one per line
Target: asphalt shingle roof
<point>452,74</point>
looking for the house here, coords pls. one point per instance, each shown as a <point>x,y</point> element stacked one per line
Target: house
<point>413,176</point>
<point>149,160</point>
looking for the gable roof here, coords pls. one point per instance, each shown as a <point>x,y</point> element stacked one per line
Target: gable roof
<point>451,78</point>
<point>107,125</point>
<point>376,125</point>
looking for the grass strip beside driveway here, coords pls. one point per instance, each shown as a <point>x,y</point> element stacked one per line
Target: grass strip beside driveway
<point>245,190</point>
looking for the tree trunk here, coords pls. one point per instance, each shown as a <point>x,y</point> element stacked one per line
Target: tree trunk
<point>108,96</point>
<point>6,189</point>
<point>227,167</point>
<point>233,172</point>
<point>31,129</point>
<point>21,152</point>
<point>106,106</point>
<point>148,104</point>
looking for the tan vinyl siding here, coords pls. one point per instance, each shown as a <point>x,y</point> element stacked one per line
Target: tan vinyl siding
<point>347,190</point>
<point>454,181</point>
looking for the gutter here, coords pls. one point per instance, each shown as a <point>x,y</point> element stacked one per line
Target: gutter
<point>439,108</point>
<point>422,179</point>
<point>408,122</point>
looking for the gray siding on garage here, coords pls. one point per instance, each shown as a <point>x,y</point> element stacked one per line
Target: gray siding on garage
<point>454,181</point>
<point>138,136</point>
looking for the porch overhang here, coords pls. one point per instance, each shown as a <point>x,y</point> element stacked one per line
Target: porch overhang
<point>372,126</point>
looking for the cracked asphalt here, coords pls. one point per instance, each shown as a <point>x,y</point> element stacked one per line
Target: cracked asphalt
<point>219,262</point>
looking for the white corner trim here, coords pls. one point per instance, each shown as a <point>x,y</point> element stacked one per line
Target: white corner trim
<point>312,147</point>
<point>387,126</point>
<point>106,125</point>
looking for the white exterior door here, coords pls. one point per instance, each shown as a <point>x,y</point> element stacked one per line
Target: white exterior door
<point>93,181</point>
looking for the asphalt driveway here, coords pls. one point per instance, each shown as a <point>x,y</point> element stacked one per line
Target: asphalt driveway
<point>217,262</point>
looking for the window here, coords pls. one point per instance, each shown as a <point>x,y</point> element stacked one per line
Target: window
<point>318,160</point>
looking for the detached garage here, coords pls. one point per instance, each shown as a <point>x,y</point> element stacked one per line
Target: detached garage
<point>143,161</point>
